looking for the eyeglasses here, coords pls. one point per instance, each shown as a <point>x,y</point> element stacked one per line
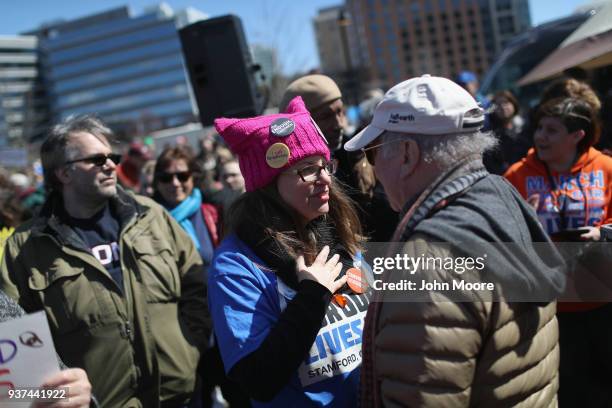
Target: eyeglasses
<point>182,176</point>
<point>98,160</point>
<point>311,173</point>
<point>370,152</point>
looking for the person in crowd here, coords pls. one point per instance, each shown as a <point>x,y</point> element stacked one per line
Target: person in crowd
<point>174,189</point>
<point>74,379</point>
<point>323,99</point>
<point>146,179</point>
<point>211,156</point>
<point>130,168</point>
<point>438,352</point>
<point>559,175</point>
<point>570,87</point>
<point>233,187</point>
<point>568,183</point>
<point>20,182</point>
<point>324,102</point>
<point>292,235</point>
<point>605,142</point>
<point>561,88</point>
<point>120,281</point>
<point>506,125</point>
<point>469,81</point>
<point>231,177</point>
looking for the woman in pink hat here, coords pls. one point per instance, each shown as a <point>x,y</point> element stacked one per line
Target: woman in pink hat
<point>288,325</point>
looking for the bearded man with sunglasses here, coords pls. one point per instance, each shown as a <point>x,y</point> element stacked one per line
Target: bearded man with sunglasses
<point>120,281</point>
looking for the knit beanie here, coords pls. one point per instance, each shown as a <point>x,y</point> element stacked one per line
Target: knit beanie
<point>267,145</point>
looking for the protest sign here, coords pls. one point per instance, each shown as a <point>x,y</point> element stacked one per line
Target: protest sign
<point>27,358</point>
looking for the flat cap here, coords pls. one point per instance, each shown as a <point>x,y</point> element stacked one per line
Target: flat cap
<point>315,90</point>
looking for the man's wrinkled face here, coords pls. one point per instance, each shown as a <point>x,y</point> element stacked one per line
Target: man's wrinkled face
<point>331,119</point>
<point>386,171</point>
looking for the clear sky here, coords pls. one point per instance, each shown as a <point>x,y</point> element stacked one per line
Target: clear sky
<point>283,24</point>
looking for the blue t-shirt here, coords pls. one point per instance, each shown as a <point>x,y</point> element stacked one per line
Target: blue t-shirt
<point>245,303</point>
<point>100,234</point>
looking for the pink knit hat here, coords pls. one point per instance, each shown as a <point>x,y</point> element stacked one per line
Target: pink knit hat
<point>267,145</point>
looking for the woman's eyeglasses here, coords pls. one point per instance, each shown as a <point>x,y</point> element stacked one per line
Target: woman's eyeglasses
<point>182,176</point>
<point>98,160</point>
<point>311,173</point>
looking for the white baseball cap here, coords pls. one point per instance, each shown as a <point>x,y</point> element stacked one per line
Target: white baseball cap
<point>425,105</point>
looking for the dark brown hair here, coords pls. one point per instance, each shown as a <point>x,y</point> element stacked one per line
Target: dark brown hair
<point>572,88</point>
<point>262,214</point>
<point>170,154</point>
<point>575,114</point>
<point>510,97</point>
<point>55,150</point>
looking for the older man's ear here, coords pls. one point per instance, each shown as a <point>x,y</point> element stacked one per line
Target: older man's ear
<point>411,155</point>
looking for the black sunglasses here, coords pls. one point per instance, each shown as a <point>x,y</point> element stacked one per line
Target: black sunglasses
<point>182,176</point>
<point>98,159</point>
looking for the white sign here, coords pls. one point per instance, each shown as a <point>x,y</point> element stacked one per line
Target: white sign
<point>27,354</point>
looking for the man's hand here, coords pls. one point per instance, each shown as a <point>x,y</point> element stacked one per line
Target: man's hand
<point>79,389</point>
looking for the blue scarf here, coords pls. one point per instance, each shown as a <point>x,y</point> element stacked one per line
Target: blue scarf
<point>185,210</point>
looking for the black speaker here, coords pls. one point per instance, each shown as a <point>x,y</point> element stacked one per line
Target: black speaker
<point>220,68</point>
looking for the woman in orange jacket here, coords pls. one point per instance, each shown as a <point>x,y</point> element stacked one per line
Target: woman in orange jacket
<point>569,184</point>
<point>565,179</point>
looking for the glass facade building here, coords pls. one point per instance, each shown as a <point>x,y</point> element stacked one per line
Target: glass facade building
<point>22,97</point>
<point>126,69</point>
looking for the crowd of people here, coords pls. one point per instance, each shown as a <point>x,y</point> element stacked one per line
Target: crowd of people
<point>236,274</point>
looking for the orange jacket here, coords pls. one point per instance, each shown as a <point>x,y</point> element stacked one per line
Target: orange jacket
<point>586,190</point>
<point>587,187</point>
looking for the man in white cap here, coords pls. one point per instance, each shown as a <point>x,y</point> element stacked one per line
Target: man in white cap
<point>438,347</point>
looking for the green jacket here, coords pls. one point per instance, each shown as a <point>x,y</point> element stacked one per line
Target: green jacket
<point>140,347</point>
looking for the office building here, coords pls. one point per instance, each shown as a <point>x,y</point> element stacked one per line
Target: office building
<point>22,99</point>
<point>339,52</point>
<point>400,39</point>
<point>265,57</point>
<point>127,69</point>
